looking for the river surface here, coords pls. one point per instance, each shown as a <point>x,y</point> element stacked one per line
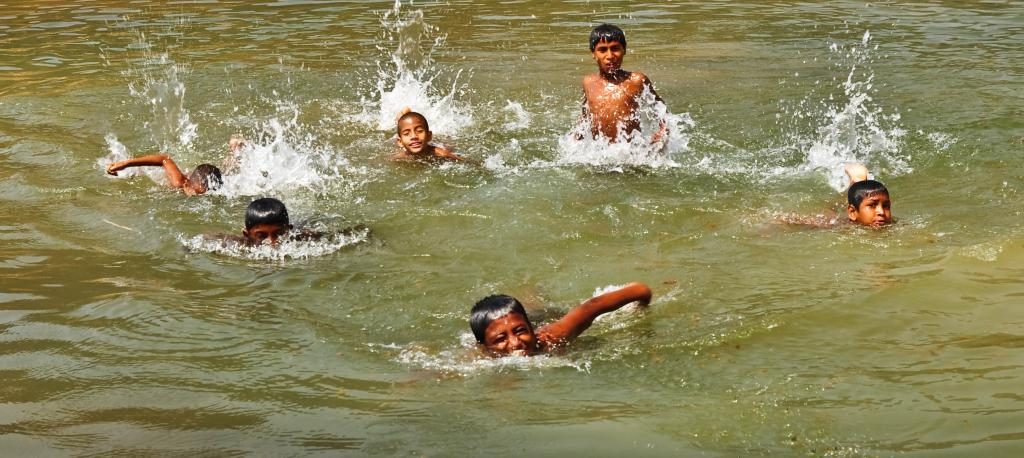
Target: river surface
<point>124,332</point>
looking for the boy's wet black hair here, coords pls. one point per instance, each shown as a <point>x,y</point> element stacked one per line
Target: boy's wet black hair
<point>411,114</point>
<point>862,189</point>
<point>267,210</point>
<point>207,174</point>
<point>491,308</point>
<point>606,32</point>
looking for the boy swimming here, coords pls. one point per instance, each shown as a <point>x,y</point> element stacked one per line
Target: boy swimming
<point>612,95</point>
<point>867,203</point>
<point>502,328</point>
<point>414,137</point>
<point>267,222</point>
<point>205,177</point>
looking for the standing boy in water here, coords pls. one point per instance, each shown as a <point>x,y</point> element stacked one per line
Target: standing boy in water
<point>205,177</point>
<point>502,328</point>
<point>414,137</point>
<point>612,95</point>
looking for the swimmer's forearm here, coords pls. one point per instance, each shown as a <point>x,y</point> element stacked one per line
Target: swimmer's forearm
<point>152,160</point>
<point>580,318</point>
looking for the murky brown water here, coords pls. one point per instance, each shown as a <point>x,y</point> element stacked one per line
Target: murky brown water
<point>122,334</point>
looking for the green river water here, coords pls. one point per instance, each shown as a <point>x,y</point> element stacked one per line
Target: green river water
<point>123,333</point>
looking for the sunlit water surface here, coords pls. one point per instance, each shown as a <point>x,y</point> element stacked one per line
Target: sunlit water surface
<point>123,331</point>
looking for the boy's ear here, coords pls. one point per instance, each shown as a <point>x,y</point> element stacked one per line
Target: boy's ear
<point>430,135</point>
<point>851,212</point>
<point>245,233</point>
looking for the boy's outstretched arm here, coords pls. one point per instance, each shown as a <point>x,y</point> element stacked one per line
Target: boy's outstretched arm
<point>580,318</point>
<point>174,174</point>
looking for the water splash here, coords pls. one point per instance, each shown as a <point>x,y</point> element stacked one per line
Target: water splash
<point>286,159</point>
<point>281,155</point>
<point>522,117</point>
<point>852,127</point>
<point>288,249</point>
<point>158,83</point>
<point>579,146</point>
<point>408,76</point>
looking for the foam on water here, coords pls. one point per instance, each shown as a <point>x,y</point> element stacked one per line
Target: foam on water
<point>467,359</point>
<point>286,250</point>
<point>408,76</point>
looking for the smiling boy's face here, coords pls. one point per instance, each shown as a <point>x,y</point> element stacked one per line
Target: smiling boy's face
<point>510,335</point>
<point>413,135</point>
<point>608,55</point>
<point>875,210</point>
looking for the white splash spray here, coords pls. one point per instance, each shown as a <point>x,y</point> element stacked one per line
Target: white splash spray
<point>408,76</point>
<point>579,146</point>
<point>854,129</point>
<point>159,85</point>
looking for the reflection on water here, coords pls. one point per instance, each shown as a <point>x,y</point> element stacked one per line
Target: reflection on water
<point>124,331</point>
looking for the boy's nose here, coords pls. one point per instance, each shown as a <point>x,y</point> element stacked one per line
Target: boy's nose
<point>515,344</point>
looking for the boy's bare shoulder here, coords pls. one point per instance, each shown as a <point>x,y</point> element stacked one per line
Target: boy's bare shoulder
<point>639,78</point>
<point>445,153</point>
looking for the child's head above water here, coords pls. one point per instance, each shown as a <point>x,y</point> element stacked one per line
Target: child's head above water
<point>265,219</point>
<point>414,133</point>
<point>205,177</point>
<point>869,203</point>
<point>607,33</point>
<point>500,324</point>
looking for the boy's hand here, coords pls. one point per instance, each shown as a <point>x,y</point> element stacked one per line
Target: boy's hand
<point>404,111</point>
<point>856,172</point>
<point>112,168</point>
